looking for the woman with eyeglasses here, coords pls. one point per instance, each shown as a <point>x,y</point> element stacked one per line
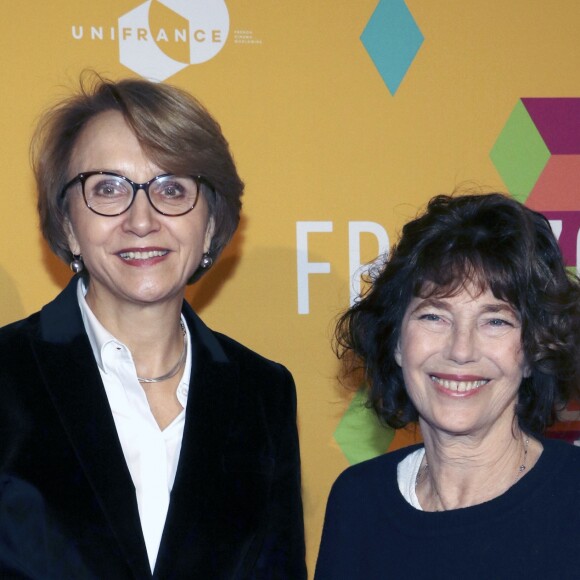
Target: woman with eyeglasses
<point>135,442</point>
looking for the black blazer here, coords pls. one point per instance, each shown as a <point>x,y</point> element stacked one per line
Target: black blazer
<point>67,502</point>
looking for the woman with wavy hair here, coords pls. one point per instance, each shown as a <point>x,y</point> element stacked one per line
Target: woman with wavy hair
<point>471,329</point>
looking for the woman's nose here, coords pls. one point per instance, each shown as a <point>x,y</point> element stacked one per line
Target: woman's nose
<point>462,347</point>
<point>141,218</point>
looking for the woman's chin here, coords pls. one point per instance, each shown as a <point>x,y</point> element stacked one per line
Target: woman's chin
<point>146,293</point>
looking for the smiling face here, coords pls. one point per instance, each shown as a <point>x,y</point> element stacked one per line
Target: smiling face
<point>141,256</point>
<point>462,361</point>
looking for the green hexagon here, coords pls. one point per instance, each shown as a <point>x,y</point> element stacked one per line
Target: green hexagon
<point>520,154</point>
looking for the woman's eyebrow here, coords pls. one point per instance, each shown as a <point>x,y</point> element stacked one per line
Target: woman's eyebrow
<point>431,303</point>
<point>500,307</point>
<point>491,308</point>
<point>497,307</point>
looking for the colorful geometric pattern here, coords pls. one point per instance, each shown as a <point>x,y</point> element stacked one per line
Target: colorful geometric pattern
<point>537,152</point>
<point>537,155</point>
<point>392,40</point>
<point>359,434</point>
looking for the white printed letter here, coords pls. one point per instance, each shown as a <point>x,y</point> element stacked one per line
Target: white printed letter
<point>556,226</point>
<point>356,269</point>
<point>304,267</point>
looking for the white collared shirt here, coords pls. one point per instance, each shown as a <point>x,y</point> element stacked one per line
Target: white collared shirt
<point>151,454</point>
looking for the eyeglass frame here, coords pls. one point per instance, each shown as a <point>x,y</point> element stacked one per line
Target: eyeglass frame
<point>82,177</point>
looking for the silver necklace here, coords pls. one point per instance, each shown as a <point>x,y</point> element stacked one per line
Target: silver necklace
<point>522,467</point>
<point>176,368</point>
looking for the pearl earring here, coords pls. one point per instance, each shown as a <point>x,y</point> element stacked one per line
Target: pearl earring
<point>206,261</point>
<point>77,264</point>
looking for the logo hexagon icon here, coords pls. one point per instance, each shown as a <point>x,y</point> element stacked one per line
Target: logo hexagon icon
<point>199,26</point>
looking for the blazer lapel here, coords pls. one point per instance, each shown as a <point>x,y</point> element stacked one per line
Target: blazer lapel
<point>213,390</point>
<point>72,378</point>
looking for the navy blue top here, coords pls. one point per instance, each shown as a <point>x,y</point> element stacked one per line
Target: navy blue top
<point>531,531</point>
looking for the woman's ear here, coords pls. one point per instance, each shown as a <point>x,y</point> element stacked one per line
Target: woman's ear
<point>209,231</point>
<point>398,357</point>
<point>73,243</point>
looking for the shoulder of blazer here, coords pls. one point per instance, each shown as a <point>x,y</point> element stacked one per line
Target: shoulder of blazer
<point>267,383</point>
<point>263,381</point>
<point>59,321</point>
<point>253,366</point>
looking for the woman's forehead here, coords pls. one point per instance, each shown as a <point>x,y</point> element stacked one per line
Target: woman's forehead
<point>107,143</point>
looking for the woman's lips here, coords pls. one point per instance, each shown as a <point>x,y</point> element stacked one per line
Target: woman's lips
<point>143,257</point>
<point>142,254</point>
<point>459,383</point>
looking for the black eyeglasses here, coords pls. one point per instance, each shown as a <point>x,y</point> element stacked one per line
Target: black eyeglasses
<point>110,194</point>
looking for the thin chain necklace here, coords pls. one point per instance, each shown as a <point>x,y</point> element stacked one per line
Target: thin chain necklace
<point>522,467</point>
<point>176,368</point>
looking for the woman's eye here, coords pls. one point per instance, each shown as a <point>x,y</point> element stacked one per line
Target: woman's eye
<point>499,322</point>
<point>108,189</point>
<point>171,191</point>
<point>430,317</point>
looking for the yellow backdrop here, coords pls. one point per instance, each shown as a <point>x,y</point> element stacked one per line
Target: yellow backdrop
<point>322,140</point>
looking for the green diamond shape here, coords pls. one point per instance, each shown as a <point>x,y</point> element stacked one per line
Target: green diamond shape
<point>520,154</point>
<point>360,435</point>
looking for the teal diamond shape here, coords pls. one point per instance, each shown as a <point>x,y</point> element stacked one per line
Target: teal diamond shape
<point>520,154</point>
<point>392,40</point>
<point>360,435</point>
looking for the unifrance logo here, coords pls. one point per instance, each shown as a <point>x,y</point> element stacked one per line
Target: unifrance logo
<point>196,30</point>
<point>159,38</point>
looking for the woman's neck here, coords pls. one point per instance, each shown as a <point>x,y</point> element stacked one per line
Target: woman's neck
<point>152,332</point>
<point>157,341</point>
<point>461,471</point>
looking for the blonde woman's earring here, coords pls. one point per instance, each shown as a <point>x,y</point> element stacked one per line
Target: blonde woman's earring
<point>77,264</point>
<point>206,261</point>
